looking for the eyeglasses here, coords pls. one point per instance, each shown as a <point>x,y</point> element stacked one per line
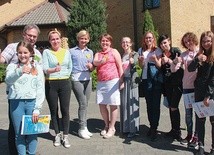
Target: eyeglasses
<point>31,36</point>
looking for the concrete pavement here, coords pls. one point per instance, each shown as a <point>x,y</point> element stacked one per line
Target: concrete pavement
<point>117,145</point>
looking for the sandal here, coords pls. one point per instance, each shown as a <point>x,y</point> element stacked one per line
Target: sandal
<point>104,131</point>
<point>110,133</point>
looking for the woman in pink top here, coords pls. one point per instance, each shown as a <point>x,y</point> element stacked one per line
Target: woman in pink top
<point>109,75</point>
<point>190,42</point>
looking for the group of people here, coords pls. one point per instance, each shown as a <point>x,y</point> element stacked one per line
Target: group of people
<point>165,70</point>
<point>168,71</point>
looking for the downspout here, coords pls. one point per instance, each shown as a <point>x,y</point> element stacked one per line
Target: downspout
<point>135,25</point>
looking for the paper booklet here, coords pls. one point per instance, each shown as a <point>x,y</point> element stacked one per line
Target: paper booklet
<point>28,127</point>
<point>202,110</point>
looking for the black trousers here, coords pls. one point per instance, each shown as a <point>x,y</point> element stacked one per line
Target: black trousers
<point>200,125</point>
<point>59,90</point>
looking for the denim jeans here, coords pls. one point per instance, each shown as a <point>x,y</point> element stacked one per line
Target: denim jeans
<point>11,134</point>
<point>153,97</point>
<point>18,108</point>
<point>82,91</point>
<point>189,114</point>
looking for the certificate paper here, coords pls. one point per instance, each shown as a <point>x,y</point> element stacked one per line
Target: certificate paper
<point>202,110</point>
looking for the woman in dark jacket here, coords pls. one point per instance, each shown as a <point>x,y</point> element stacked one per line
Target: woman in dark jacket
<point>172,85</point>
<point>204,83</point>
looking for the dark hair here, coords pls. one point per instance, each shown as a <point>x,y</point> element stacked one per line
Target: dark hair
<point>161,38</point>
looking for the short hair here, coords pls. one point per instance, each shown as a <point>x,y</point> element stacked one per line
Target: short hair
<point>52,31</point>
<point>31,26</point>
<point>162,38</point>
<point>108,36</point>
<point>189,35</point>
<point>82,33</point>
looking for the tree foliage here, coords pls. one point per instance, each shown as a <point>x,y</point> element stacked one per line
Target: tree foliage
<point>89,15</point>
<point>148,24</point>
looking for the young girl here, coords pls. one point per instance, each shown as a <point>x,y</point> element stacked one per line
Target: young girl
<point>204,83</point>
<point>26,94</point>
<point>190,42</point>
<point>129,108</point>
<point>150,55</point>
<point>172,85</point>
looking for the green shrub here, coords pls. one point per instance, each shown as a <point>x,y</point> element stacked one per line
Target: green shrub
<point>2,72</point>
<point>94,79</point>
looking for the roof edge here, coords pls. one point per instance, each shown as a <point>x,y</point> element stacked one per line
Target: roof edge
<point>23,14</point>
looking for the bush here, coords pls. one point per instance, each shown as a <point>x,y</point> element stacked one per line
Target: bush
<point>2,72</point>
<point>94,79</point>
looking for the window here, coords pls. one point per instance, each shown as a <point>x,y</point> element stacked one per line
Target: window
<point>150,4</point>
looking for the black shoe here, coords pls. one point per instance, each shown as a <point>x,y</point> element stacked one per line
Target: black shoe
<point>169,134</point>
<point>154,135</point>
<point>211,152</point>
<point>177,135</point>
<point>149,132</point>
<point>186,140</point>
<point>200,150</point>
<point>131,135</point>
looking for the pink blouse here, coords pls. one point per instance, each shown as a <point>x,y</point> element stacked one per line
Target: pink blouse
<point>108,70</point>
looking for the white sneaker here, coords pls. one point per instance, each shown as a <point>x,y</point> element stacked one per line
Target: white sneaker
<point>66,142</point>
<point>88,133</point>
<point>57,141</point>
<point>83,134</point>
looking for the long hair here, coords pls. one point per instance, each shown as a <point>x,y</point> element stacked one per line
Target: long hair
<point>29,47</point>
<point>210,51</point>
<point>154,45</point>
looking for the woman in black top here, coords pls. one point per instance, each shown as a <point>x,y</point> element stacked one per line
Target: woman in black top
<point>204,83</point>
<point>172,85</point>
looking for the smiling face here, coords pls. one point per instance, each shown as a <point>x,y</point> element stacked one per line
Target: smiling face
<point>55,41</point>
<point>206,42</point>
<point>23,55</point>
<point>126,44</point>
<point>83,41</point>
<point>105,43</point>
<point>31,36</point>
<point>149,39</point>
<point>165,45</point>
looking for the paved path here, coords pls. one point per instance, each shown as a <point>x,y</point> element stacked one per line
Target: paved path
<point>118,145</point>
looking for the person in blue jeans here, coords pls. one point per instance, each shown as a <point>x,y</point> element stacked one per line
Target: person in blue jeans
<point>8,55</point>
<point>26,94</point>
<point>190,42</point>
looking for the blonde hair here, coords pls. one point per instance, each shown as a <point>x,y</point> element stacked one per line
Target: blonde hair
<point>82,33</point>
<point>52,32</point>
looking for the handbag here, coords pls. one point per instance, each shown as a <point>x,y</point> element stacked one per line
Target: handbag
<point>154,73</point>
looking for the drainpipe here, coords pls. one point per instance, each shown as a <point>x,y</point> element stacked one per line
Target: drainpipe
<point>135,25</point>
